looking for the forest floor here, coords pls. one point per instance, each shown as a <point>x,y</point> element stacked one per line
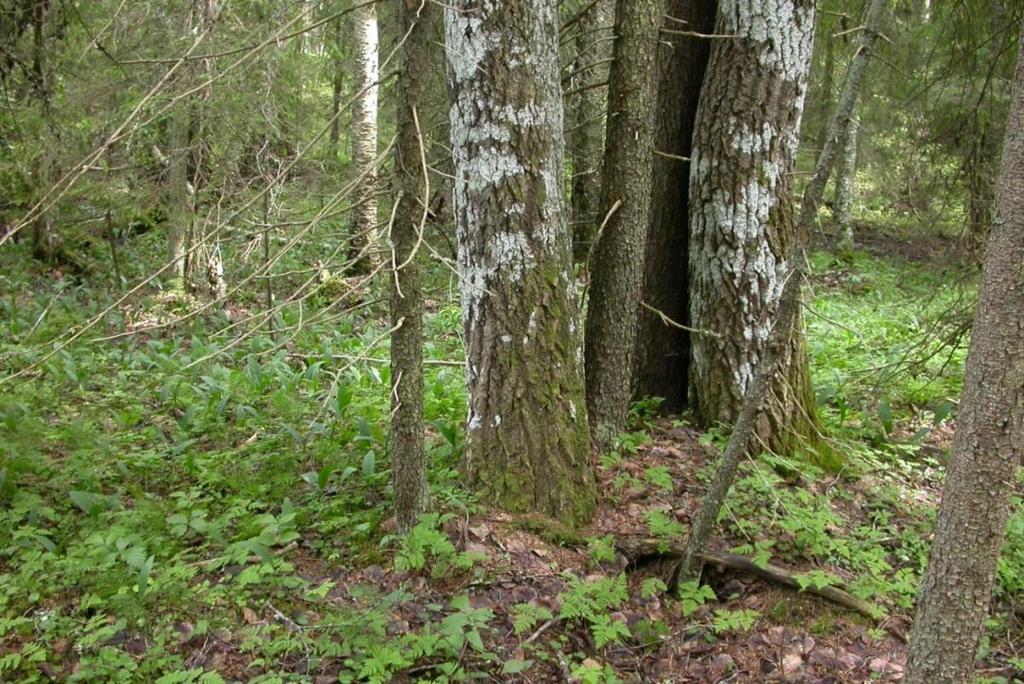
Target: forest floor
<point>176,506</point>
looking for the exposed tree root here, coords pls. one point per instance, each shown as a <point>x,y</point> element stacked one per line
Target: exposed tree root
<point>646,551</point>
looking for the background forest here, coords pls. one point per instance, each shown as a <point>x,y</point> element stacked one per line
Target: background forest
<point>704,274</point>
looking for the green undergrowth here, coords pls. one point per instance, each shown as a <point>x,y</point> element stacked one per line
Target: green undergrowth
<point>177,502</point>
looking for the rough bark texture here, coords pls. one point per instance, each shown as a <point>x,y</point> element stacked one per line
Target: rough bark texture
<point>617,279</point>
<point>663,350</point>
<point>587,123</point>
<point>527,446</point>
<point>989,442</point>
<point>844,111</point>
<point>737,448</point>
<point>364,136</point>
<point>741,226</point>
<point>846,173</point>
<point>408,456</point>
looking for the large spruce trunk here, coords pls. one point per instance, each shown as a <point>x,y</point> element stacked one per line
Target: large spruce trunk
<point>957,586</point>
<point>527,444</point>
<point>741,218</point>
<point>663,349</point>
<point>618,268</point>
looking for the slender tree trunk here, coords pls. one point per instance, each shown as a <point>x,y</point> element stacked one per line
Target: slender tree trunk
<point>618,270</point>
<point>663,350</point>
<point>741,225</point>
<point>846,173</point>
<point>827,84</point>
<point>527,446</point>
<point>408,457</point>
<point>337,82</point>
<point>587,123</point>
<point>989,442</point>
<point>364,138</point>
<point>845,110</point>
<point>42,229</point>
<point>179,214</point>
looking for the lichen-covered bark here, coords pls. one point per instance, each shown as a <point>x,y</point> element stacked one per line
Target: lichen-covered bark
<point>741,222</point>
<point>587,123</point>
<point>618,268</point>
<point>527,446</point>
<point>663,350</point>
<point>364,135</point>
<point>408,456</point>
<point>846,173</point>
<point>957,587</point>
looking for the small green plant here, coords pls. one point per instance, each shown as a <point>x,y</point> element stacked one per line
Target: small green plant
<point>693,595</point>
<point>663,528</point>
<point>426,542</point>
<point>652,586</point>
<point>601,549</point>
<point>817,579</point>
<point>725,620</point>
<point>526,616</point>
<point>592,601</point>
<point>593,672</point>
<point>659,477</point>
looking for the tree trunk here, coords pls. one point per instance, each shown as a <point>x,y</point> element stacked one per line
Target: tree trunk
<point>364,139</point>
<point>337,81</point>
<point>988,445</point>
<point>527,446</point>
<point>663,350</point>
<point>179,213</point>
<point>846,173</point>
<point>827,86</point>
<point>586,135</point>
<point>617,278</point>
<point>408,458</point>
<point>844,112</point>
<point>741,225</point>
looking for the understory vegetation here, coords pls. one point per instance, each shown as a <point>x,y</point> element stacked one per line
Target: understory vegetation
<point>183,506</point>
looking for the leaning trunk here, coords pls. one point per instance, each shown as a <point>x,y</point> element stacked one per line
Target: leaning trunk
<point>989,442</point>
<point>527,446</point>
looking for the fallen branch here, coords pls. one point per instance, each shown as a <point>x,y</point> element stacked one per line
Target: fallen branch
<point>648,551</point>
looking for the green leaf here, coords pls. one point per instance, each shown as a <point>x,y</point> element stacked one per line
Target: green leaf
<point>144,572</point>
<point>90,502</point>
<point>516,666</point>
<point>369,463</point>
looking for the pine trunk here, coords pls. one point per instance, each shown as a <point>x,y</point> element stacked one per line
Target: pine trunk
<point>527,446</point>
<point>586,135</point>
<point>363,242</point>
<point>988,446</point>
<point>663,349</point>
<point>617,278</point>
<point>741,219</point>
<point>408,457</point>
